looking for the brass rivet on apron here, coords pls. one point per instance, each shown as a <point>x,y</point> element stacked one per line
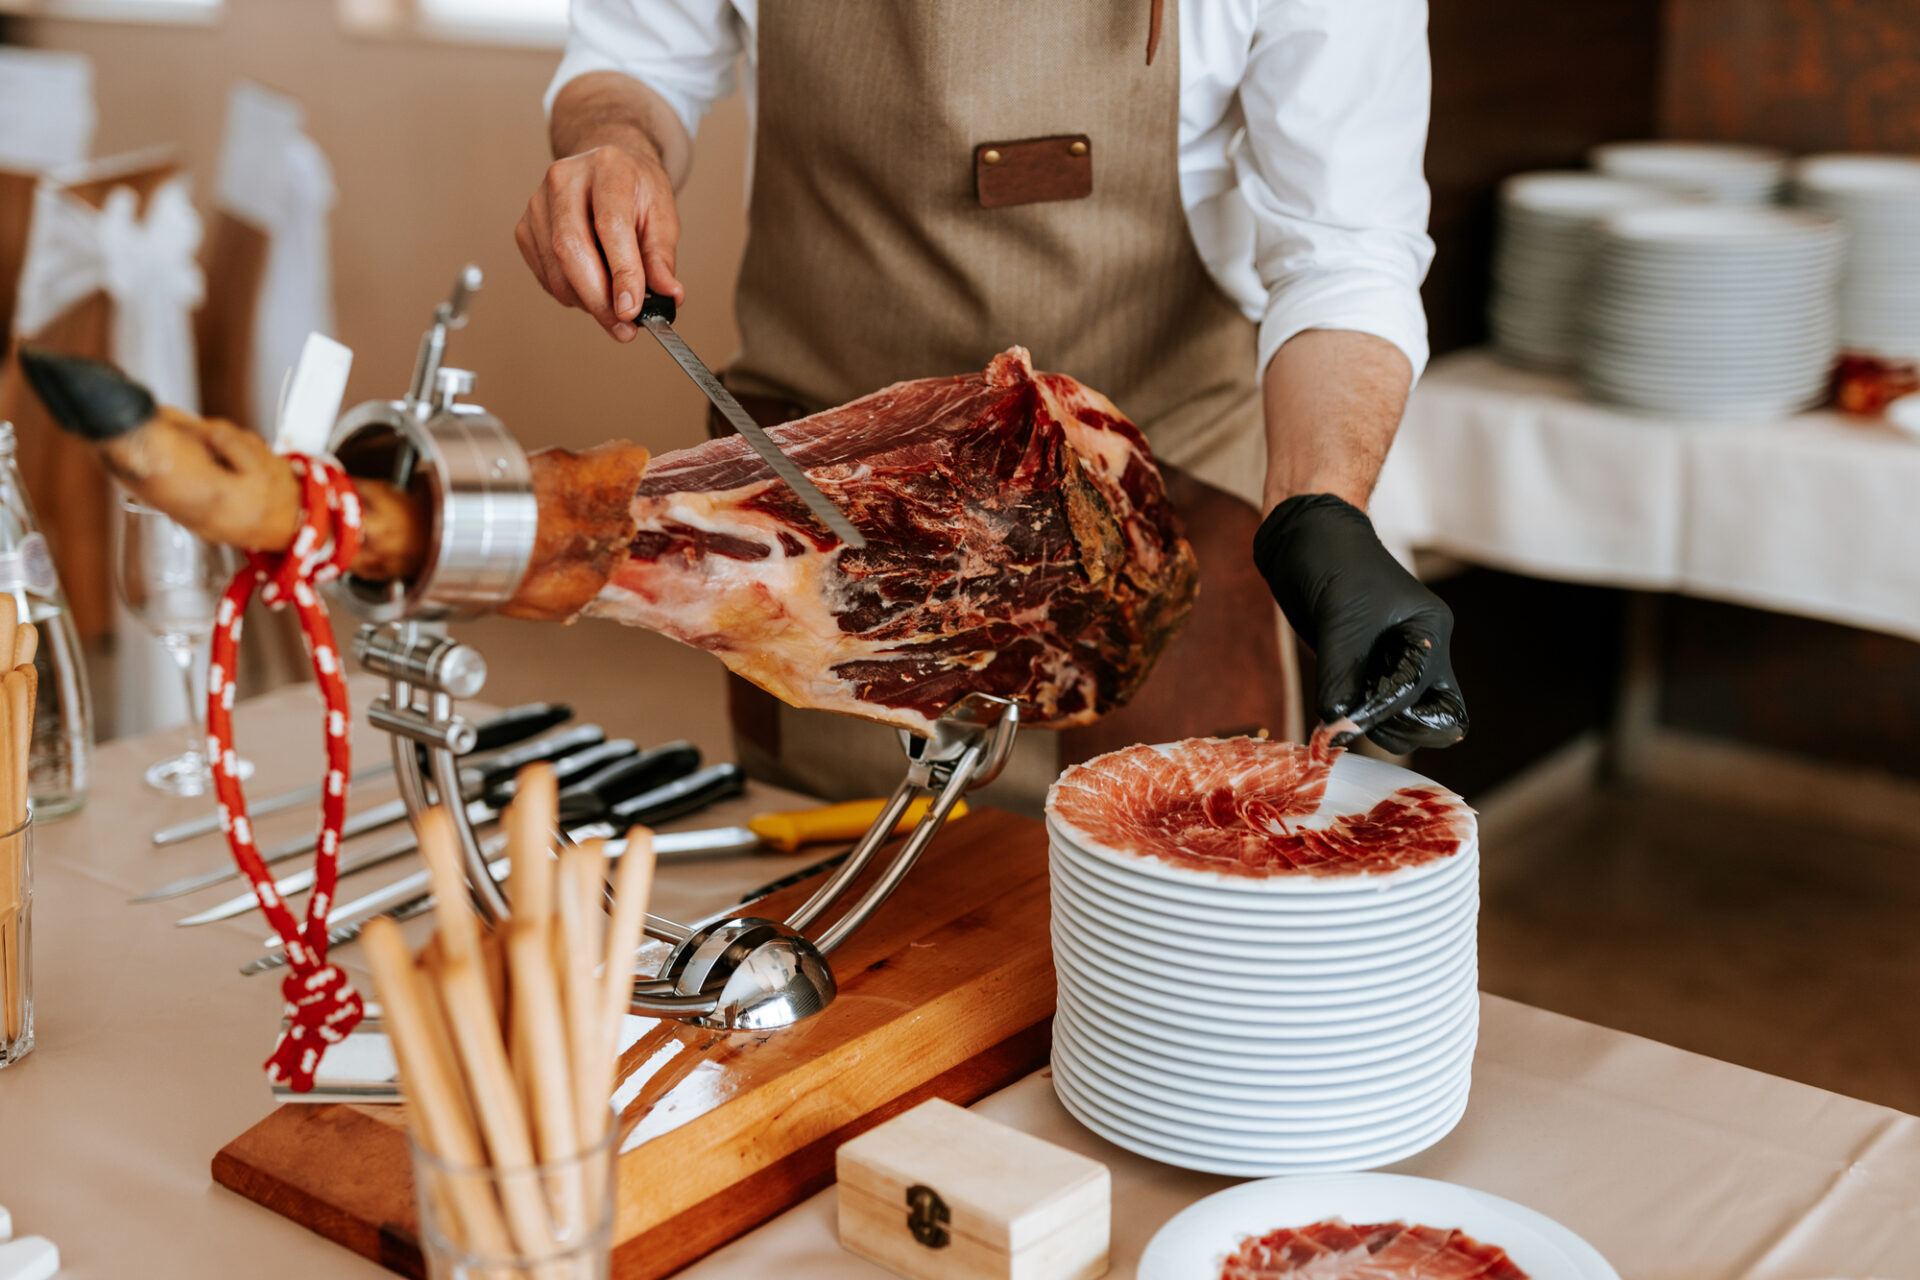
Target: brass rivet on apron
<point>990,157</point>
<point>1077,149</point>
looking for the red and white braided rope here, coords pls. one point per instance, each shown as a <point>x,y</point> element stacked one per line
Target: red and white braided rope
<point>322,1005</point>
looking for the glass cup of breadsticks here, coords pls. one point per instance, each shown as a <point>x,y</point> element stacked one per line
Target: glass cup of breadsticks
<point>19,641</point>
<point>508,1043</point>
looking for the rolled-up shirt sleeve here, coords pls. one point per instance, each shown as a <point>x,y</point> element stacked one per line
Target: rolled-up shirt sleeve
<point>684,50</point>
<point>1336,98</point>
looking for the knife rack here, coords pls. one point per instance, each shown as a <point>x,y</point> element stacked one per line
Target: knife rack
<point>733,972</point>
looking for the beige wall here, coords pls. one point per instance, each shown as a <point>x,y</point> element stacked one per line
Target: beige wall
<point>435,147</point>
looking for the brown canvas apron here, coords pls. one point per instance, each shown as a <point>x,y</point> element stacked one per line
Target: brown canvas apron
<point>870,260</point>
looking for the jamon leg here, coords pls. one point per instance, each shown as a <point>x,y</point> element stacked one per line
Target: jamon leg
<point>225,485</point>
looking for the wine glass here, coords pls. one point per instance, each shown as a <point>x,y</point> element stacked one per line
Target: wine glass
<point>172,582</point>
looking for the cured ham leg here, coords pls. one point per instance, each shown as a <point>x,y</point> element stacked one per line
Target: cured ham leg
<point>1020,541</point>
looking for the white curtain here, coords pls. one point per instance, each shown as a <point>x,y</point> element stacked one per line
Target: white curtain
<point>148,269</point>
<point>46,104</point>
<point>273,176</point>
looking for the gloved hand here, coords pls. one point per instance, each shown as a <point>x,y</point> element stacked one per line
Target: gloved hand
<point>1381,638</point>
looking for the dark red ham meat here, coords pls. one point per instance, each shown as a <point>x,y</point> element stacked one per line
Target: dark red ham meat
<point>1332,1250</point>
<point>1020,543</point>
<point>1245,806</point>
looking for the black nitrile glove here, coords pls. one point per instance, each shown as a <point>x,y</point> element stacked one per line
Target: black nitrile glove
<point>1381,638</point>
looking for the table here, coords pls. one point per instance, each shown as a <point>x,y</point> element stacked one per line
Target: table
<point>150,1048</point>
<point>1517,470</point>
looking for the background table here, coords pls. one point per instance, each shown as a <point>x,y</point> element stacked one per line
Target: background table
<point>1672,1164</point>
<point>1811,514</point>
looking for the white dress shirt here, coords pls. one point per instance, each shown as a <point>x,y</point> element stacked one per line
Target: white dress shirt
<point>1303,124</point>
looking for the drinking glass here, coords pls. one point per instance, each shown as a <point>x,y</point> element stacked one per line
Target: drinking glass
<point>16,942</point>
<point>172,582</point>
<point>550,1222</point>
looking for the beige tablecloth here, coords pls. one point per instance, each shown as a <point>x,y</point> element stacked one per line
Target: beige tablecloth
<point>1672,1164</point>
<point>1809,514</point>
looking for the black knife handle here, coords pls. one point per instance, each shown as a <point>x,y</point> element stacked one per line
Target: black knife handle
<point>678,799</point>
<point>596,794</point>
<point>567,769</point>
<point>552,747</point>
<point>517,724</point>
<point>658,306</point>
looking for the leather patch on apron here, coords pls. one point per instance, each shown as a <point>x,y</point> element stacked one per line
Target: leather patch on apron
<point>1035,171</point>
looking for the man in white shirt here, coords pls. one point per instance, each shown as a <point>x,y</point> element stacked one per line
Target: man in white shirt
<point>1226,235</point>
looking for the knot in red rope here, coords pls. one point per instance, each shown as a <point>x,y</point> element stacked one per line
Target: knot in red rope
<point>322,1005</point>
<point>323,1008</point>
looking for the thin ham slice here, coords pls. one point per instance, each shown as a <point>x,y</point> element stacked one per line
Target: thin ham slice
<point>1332,1250</point>
<point>1250,807</point>
<point>1020,543</point>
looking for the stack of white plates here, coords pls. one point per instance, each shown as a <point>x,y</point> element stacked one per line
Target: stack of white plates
<point>1714,311</point>
<point>1543,256</point>
<point>1266,1024</point>
<point>1878,197</point>
<point>1724,173</point>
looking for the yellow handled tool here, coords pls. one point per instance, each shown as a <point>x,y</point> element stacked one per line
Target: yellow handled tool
<point>834,822</point>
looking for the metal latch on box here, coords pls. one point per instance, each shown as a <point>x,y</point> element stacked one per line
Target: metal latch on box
<point>927,1216</point>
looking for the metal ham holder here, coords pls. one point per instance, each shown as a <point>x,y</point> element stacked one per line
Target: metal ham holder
<point>734,972</point>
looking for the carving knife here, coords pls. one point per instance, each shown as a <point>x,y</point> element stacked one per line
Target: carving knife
<point>656,315</point>
<point>600,793</point>
<point>515,724</point>
<point>409,896</point>
<point>501,766</point>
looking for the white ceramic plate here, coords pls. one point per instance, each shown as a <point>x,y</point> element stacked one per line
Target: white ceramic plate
<point>1357,784</point>
<point>1579,194</point>
<point>1312,1053</point>
<point>1163,1098</point>
<point>1261,1021</point>
<point>1236,1163</point>
<point>1368,894</point>
<point>1198,1239</point>
<point>1278,942</point>
<point>1213,959</point>
<point>1275,1104</point>
<point>1245,1140</point>
<point>1258,925</point>
<point>1279,1080</point>
<point>1391,989</point>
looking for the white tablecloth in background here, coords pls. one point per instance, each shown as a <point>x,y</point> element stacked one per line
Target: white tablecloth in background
<point>1816,514</point>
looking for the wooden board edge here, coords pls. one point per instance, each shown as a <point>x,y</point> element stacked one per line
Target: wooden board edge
<point>391,1245</point>
<point>695,1232</point>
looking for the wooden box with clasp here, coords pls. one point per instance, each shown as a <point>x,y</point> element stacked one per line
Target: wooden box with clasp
<point>940,1193</point>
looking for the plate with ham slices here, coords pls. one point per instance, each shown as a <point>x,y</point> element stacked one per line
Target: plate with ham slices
<point>1368,1225</point>
<point>1265,953</point>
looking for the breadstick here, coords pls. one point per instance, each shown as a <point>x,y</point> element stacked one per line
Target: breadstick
<point>458,931</point>
<point>9,633</point>
<point>26,643</point>
<point>529,823</point>
<point>577,946</point>
<point>430,1079</point>
<point>633,885</point>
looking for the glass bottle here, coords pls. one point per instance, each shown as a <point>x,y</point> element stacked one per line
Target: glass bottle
<point>59,769</point>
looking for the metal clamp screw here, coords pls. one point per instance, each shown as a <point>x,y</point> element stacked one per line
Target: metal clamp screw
<point>927,1214</point>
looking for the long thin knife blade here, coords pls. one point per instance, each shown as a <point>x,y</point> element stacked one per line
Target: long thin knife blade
<point>383,814</point>
<point>657,315</point>
<point>207,823</point>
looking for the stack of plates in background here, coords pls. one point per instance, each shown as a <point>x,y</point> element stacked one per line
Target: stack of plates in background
<point>1878,197</point>
<point>1723,173</point>
<point>1266,1025</point>
<point>1714,311</point>
<point>1543,257</point>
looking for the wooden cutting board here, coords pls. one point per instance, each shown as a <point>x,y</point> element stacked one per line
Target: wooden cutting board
<point>946,992</point>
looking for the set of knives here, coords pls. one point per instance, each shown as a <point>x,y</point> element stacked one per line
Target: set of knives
<point>606,786</point>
